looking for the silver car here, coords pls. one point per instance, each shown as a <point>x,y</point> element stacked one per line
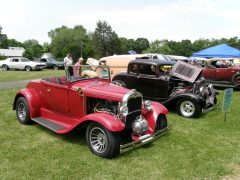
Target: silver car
<point>21,63</point>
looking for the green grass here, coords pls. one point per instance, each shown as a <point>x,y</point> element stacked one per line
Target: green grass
<point>203,148</point>
<point>16,75</point>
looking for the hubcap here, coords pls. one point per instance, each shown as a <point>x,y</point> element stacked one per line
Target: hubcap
<point>22,111</point>
<point>237,79</point>
<point>187,108</point>
<point>98,140</point>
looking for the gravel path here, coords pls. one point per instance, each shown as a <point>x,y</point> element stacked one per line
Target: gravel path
<point>13,84</point>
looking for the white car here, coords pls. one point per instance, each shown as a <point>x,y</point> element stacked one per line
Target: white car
<point>21,63</point>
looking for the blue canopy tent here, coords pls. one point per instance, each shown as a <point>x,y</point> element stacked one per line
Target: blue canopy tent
<point>222,50</point>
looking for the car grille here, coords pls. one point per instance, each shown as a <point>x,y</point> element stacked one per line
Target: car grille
<point>134,104</point>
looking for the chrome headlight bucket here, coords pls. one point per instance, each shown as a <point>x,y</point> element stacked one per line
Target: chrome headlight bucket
<point>124,110</point>
<point>148,105</point>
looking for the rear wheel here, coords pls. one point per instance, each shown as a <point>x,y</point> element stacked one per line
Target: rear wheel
<point>5,67</point>
<point>236,79</point>
<point>22,111</point>
<point>188,108</point>
<point>28,68</point>
<point>101,141</point>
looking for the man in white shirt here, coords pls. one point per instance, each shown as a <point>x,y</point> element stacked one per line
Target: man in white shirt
<point>68,62</point>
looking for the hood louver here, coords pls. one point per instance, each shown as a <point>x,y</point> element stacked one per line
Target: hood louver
<point>185,71</point>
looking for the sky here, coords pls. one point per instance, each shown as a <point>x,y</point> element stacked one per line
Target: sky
<point>175,20</point>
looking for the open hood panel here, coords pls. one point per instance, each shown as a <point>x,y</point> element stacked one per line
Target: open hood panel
<point>185,71</point>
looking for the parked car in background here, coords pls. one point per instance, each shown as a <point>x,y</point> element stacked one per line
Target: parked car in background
<point>116,119</point>
<point>51,63</point>
<point>118,63</point>
<point>21,63</point>
<point>178,85</point>
<point>221,72</point>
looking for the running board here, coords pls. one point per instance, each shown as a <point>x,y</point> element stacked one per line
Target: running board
<point>48,124</point>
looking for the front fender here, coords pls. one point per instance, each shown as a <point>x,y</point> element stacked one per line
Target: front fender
<point>107,120</point>
<point>151,116</point>
<point>32,99</point>
<point>193,96</point>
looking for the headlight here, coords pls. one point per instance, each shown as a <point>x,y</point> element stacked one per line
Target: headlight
<point>124,110</point>
<point>148,105</point>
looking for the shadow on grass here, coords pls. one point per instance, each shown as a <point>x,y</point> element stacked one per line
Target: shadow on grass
<point>75,136</point>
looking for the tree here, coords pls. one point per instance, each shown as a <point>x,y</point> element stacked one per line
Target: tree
<point>3,40</point>
<point>71,39</point>
<point>141,44</point>
<point>105,40</point>
<point>14,43</point>
<point>28,43</point>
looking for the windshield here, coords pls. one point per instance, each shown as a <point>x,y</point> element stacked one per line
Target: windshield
<point>83,72</point>
<point>51,60</point>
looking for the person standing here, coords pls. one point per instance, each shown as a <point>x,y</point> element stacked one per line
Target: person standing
<point>77,68</point>
<point>67,64</point>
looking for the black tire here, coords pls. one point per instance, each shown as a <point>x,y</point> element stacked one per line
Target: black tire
<point>118,83</point>
<point>22,111</point>
<point>188,108</point>
<point>161,122</point>
<point>28,68</point>
<point>236,79</point>
<point>101,141</point>
<point>5,67</point>
<point>55,67</point>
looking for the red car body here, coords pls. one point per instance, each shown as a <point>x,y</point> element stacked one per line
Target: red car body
<point>63,103</point>
<point>221,76</point>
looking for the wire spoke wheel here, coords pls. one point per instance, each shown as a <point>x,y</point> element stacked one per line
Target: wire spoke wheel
<point>98,140</point>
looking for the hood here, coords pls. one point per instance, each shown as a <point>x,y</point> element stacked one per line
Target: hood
<point>102,90</point>
<point>36,63</point>
<point>186,71</point>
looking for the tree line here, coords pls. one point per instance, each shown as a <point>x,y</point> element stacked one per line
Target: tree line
<point>105,42</point>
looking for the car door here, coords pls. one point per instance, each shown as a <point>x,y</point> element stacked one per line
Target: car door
<point>225,74</point>
<point>56,97</point>
<point>14,63</point>
<point>209,73</point>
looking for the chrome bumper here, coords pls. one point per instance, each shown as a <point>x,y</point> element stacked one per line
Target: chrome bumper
<point>136,144</point>
<point>210,108</point>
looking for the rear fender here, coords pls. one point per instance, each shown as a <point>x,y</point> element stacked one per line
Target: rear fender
<point>152,115</point>
<point>32,99</point>
<point>107,120</point>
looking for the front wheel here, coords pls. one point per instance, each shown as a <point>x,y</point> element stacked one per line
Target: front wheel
<point>5,67</point>
<point>22,111</point>
<point>55,67</point>
<point>188,108</point>
<point>236,79</point>
<point>101,141</point>
<point>28,68</point>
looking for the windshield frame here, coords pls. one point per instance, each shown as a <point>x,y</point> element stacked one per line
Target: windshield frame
<point>88,72</point>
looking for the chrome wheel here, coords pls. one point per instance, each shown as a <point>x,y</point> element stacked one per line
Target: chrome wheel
<point>28,68</point>
<point>101,141</point>
<point>98,140</point>
<point>5,67</point>
<point>187,108</point>
<point>55,67</point>
<point>21,111</point>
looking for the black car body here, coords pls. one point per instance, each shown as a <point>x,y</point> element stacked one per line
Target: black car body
<point>51,63</point>
<point>183,86</point>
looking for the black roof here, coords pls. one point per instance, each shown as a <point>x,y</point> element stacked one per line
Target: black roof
<point>151,61</point>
